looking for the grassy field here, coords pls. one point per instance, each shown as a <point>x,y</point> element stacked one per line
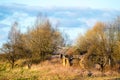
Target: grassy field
<point>48,70</point>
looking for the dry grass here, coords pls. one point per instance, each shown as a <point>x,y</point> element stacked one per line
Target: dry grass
<point>51,70</point>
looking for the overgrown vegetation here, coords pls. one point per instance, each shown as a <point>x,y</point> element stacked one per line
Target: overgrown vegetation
<point>98,48</point>
<point>38,43</point>
<point>102,44</point>
<point>51,70</point>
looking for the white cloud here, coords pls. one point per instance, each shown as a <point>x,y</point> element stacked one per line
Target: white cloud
<point>22,18</point>
<point>106,4</point>
<point>89,22</point>
<point>3,39</point>
<point>55,21</point>
<point>106,14</point>
<point>5,29</point>
<point>66,13</point>
<point>73,32</point>
<point>26,22</point>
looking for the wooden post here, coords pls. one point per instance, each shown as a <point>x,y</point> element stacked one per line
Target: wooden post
<point>63,61</point>
<point>81,62</point>
<point>67,62</point>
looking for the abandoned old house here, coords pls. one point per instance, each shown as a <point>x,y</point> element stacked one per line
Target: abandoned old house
<point>69,58</point>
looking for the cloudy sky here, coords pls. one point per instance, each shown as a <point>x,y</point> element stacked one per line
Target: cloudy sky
<point>72,16</point>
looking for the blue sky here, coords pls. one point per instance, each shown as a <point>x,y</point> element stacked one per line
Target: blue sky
<point>108,4</point>
<point>72,16</point>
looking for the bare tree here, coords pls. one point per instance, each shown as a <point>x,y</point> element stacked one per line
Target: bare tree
<point>11,47</point>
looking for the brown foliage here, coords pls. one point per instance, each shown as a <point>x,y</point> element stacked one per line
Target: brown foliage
<point>101,43</point>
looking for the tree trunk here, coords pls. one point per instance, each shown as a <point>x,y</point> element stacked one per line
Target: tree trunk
<point>29,64</point>
<point>12,64</point>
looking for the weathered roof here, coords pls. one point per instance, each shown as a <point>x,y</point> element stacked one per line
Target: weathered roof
<point>66,50</point>
<point>70,51</point>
